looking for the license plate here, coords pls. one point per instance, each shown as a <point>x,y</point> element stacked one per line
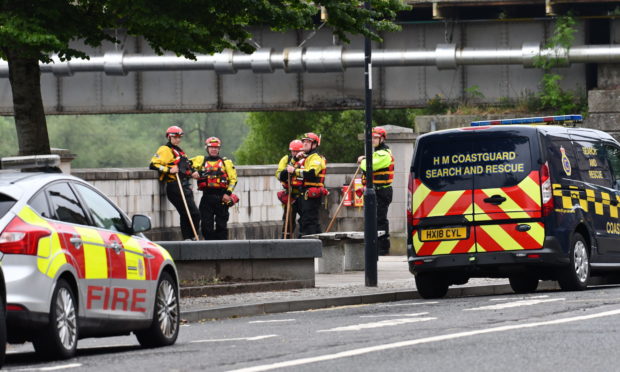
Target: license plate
<point>446,233</point>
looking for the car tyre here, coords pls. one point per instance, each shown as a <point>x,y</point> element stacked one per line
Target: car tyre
<point>166,315</point>
<point>431,285</point>
<point>60,337</point>
<point>575,276</point>
<point>523,283</point>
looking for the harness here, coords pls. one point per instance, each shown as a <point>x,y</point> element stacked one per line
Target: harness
<point>213,176</point>
<point>384,176</point>
<point>319,180</point>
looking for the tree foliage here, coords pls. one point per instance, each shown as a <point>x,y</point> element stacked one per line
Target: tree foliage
<point>271,132</point>
<point>31,31</point>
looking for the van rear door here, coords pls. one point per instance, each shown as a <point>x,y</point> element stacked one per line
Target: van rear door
<point>442,198</point>
<point>507,194</point>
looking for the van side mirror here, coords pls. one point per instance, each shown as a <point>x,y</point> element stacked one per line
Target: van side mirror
<point>140,223</point>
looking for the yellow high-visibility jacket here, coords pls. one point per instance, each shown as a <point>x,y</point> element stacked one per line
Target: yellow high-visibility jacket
<point>164,159</point>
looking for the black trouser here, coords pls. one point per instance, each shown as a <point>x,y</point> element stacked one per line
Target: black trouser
<point>384,198</point>
<point>291,218</point>
<point>174,195</point>
<point>309,212</point>
<point>212,210</point>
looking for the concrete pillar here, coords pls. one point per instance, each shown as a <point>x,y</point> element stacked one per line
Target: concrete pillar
<point>66,157</point>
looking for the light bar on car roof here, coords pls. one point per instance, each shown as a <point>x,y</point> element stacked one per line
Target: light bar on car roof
<point>29,162</point>
<point>557,119</point>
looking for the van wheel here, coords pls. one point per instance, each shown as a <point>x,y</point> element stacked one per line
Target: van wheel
<point>431,285</point>
<point>523,283</point>
<point>59,339</point>
<point>166,316</point>
<point>575,276</point>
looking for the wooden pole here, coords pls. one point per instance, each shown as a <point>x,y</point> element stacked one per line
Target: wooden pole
<point>189,216</point>
<point>288,209</point>
<point>331,223</point>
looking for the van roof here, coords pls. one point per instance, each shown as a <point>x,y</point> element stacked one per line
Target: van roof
<point>523,129</point>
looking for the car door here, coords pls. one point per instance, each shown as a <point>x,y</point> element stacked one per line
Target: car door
<point>128,262</point>
<point>83,247</point>
<point>611,201</point>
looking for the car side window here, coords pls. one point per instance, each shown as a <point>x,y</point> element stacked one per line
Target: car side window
<point>39,204</point>
<point>65,205</point>
<point>613,156</point>
<point>104,214</point>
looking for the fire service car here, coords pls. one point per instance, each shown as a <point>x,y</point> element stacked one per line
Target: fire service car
<point>76,266</point>
<point>517,199</point>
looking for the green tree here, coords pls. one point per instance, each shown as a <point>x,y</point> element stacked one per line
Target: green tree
<point>31,31</point>
<point>271,132</point>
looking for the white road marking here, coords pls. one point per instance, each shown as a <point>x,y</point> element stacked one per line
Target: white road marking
<point>53,368</point>
<point>391,315</point>
<point>508,305</point>
<point>255,338</point>
<point>425,340</point>
<point>383,323</point>
<point>271,321</point>
<point>411,303</point>
<point>517,298</point>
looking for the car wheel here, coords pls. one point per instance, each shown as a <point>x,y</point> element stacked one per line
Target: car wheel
<point>166,315</point>
<point>575,276</point>
<point>431,285</point>
<point>59,339</point>
<point>523,283</point>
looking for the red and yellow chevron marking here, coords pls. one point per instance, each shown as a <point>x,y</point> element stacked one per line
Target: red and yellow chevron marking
<point>428,203</point>
<point>522,201</point>
<point>506,237</point>
<point>443,247</point>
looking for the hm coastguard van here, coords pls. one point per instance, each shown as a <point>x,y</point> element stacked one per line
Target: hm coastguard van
<point>514,198</point>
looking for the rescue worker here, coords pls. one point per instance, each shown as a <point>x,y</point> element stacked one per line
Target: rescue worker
<point>382,176</point>
<point>171,162</point>
<point>217,180</point>
<point>291,184</point>
<point>311,172</point>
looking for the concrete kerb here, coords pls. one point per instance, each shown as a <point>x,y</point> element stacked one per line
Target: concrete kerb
<point>224,312</point>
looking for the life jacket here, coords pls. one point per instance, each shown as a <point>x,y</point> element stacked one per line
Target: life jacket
<point>384,176</point>
<point>320,182</point>
<point>213,175</point>
<point>180,160</point>
<point>297,182</point>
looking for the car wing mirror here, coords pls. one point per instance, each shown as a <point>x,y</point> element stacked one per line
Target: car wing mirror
<point>140,223</point>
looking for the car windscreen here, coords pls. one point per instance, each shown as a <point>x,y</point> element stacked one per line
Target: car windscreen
<point>6,203</point>
<point>474,162</point>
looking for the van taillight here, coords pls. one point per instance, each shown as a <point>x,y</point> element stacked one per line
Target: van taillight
<point>410,187</point>
<point>545,187</point>
<point>20,237</point>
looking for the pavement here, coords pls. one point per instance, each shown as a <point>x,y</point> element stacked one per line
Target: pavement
<point>395,283</point>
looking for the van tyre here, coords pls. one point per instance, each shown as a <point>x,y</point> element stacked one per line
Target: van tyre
<point>60,337</point>
<point>166,315</point>
<point>523,283</point>
<point>575,276</point>
<point>431,285</point>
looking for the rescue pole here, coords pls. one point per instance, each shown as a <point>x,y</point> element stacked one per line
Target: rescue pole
<point>329,227</point>
<point>288,209</point>
<point>189,216</point>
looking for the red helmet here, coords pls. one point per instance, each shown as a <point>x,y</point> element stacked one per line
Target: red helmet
<point>295,145</point>
<point>312,137</point>
<point>213,142</point>
<point>174,131</point>
<point>379,132</point>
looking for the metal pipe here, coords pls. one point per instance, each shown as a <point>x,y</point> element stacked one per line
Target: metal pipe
<point>327,59</point>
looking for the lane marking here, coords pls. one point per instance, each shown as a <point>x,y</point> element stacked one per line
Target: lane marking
<point>509,305</point>
<point>255,338</point>
<point>53,368</point>
<point>517,298</point>
<point>391,315</point>
<point>425,340</point>
<point>271,321</point>
<point>383,323</point>
<point>411,303</point>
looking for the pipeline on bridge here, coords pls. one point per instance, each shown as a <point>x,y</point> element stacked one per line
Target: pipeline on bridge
<point>327,59</point>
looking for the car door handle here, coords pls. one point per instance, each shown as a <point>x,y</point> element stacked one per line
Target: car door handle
<point>495,200</point>
<point>76,241</point>
<point>116,247</point>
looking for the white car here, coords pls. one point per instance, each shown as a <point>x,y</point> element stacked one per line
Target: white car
<point>77,267</point>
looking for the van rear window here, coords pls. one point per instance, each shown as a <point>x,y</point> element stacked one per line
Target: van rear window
<point>480,164</point>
